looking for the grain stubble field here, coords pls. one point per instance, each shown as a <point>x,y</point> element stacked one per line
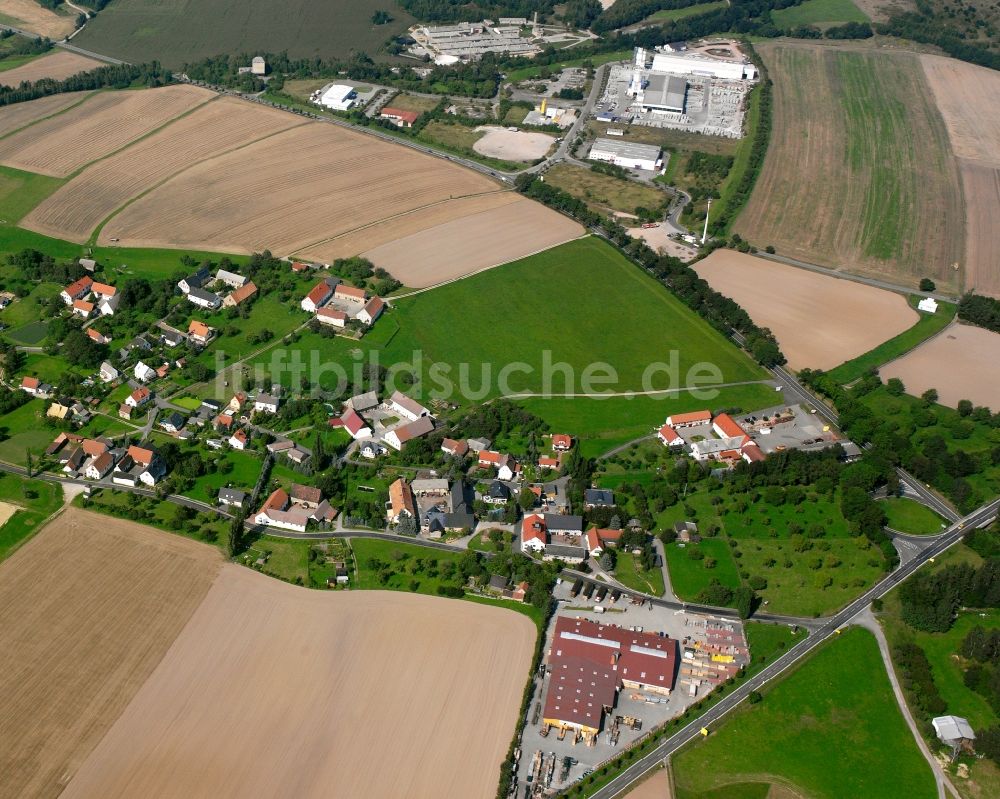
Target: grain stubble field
<point>58,65</point>
<point>865,127</point>
<point>111,596</point>
<point>31,16</point>
<point>960,362</point>
<point>364,694</point>
<point>968,98</point>
<point>819,321</point>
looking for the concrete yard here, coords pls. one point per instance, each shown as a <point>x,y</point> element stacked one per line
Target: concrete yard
<point>512,145</point>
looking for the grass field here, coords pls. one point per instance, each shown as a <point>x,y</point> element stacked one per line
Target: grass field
<point>927,325</point>
<point>670,15</point>
<point>881,147</point>
<point>909,516</point>
<point>604,192</point>
<point>830,729</point>
<point>818,12</point>
<point>525,73</point>
<point>689,577</point>
<point>38,500</point>
<point>629,572</point>
<point>23,430</point>
<point>174,33</point>
<point>21,191</point>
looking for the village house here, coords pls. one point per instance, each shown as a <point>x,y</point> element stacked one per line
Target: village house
<point>77,290</point>
<point>35,387</point>
<point>331,316</point>
<point>350,294</point>
<point>276,512</point>
<point>668,437</point>
<point>239,440</point>
<point>355,426</point>
<point>401,502</point>
<point>230,279</point>
<point>489,459</point>
<point>143,373</point>
<point>139,465</point>
<point>223,423</point>
<point>83,308</point>
<point>548,462</point>
<point>234,298</point>
<point>58,411</point>
<point>477,445</point>
<point>98,467</point>
<point>397,437</point>
<point>372,449</point>
<point>600,539</point>
<point>139,397</point>
<point>372,311</point>
<point>195,281</point>
<point>534,535</point>
<point>508,469</point>
<point>199,332</point>
<point>171,337</point>
<point>407,408</point>
<point>108,373</point>
<point>97,336</point>
<point>317,297</point>
<point>456,449</point>
<point>689,419</point>
<point>266,403</point>
<point>231,497</point>
<point>598,498</point>
<point>497,494</point>
<point>562,443</point>
<point>204,299</point>
<point>107,306</point>
<point>102,290</point>
<point>173,422</point>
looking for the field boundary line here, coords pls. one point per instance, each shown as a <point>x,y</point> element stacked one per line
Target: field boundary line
<point>953,323</point>
<point>95,234</point>
<point>70,107</point>
<point>367,225</point>
<point>484,269</point>
<point>38,528</point>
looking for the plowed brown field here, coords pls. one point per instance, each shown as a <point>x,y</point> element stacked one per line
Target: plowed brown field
<point>969,99</point>
<point>88,608</point>
<point>14,117</point>
<point>463,246</point>
<point>819,321</point>
<point>31,16</point>
<point>290,191</point>
<point>859,173</point>
<point>58,65</point>
<point>97,127</point>
<point>275,690</point>
<point>77,208</point>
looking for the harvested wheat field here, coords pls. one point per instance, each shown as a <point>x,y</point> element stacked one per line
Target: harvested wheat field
<point>14,117</point>
<point>968,97</point>
<point>58,65</point>
<point>77,208</point>
<point>290,191</point>
<point>6,511</point>
<point>960,362</point>
<point>820,321</point>
<point>863,125</point>
<point>88,608</point>
<point>464,246</point>
<point>102,124</point>
<point>275,690</point>
<point>512,145</point>
<point>31,16</point>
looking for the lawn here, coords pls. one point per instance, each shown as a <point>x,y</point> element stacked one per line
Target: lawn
<point>673,14</point>
<point>38,500</point>
<point>630,573</point>
<point>233,468</point>
<point>29,310</point>
<point>412,102</point>
<point>21,191</point>
<point>403,567</point>
<point>830,729</point>
<point>604,192</point>
<point>909,516</point>
<point>456,138</point>
<point>689,577</point>
<point>523,73</point>
<point>176,33</point>
<point>603,424</point>
<point>925,327</point>
<point>818,12</point>
<point>31,334</point>
<point>22,429</point>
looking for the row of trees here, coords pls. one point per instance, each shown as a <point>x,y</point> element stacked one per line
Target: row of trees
<point>112,76</point>
<point>982,311</point>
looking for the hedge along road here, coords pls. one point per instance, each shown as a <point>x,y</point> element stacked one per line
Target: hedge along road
<point>954,534</point>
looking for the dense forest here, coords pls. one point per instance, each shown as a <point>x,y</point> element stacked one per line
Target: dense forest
<point>982,311</point>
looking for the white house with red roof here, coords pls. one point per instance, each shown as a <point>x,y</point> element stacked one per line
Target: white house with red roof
<point>669,437</point>
<point>508,469</point>
<point>139,397</point>
<point>562,442</point>
<point>534,534</point>
<point>332,317</point>
<point>356,426</point>
<point>689,419</point>
<point>238,440</point>
<point>399,117</point>
<point>599,539</point>
<point>83,308</point>
<point>372,311</point>
<point>317,297</point>
<point>77,290</point>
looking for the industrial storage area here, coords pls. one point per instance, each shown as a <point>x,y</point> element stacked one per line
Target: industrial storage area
<point>615,667</point>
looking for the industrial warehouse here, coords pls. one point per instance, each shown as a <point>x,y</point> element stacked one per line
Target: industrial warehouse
<point>629,155</point>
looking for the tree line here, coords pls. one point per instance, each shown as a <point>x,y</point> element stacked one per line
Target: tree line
<point>981,311</point>
<point>112,76</point>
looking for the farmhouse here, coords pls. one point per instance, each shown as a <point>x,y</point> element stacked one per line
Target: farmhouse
<point>629,155</point>
<point>266,403</point>
<point>77,290</point>
<point>98,467</point>
<point>725,426</point>
<point>534,535</point>
<point>317,297</point>
<point>399,117</point>
<point>363,402</point>
<point>274,514</point>
<point>350,294</point>
<point>689,419</point>
<point>204,299</point>
<point>139,465</point>
<point>356,426</point>
<point>398,436</point>
<point>600,539</point>
<point>669,437</point>
<point>589,663</point>
<point>234,298</point>
<point>83,308</point>
<point>372,311</point>
<point>107,306</point>
<point>199,332</point>
<point>231,279</point>
<point>406,407</point>
<point>401,502</point>
<point>331,316</point>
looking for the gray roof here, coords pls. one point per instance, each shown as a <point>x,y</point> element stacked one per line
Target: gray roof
<point>557,521</point>
<point>174,419</point>
<point>499,490</point>
<point>599,496</point>
<point>266,399</point>
<point>953,728</point>
<point>498,581</point>
<point>232,495</point>
<point>665,91</point>
<point>560,551</point>
<point>204,296</point>
<point>627,149</point>
<point>362,402</point>
<point>459,497</point>
<point>199,278</point>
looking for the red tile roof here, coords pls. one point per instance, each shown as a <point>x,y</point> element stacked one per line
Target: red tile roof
<point>562,441</point>
<point>728,426</point>
<point>140,455</point>
<point>668,434</point>
<point>349,291</point>
<point>83,305</point>
<point>374,306</point>
<point>332,314</point>
<point>533,528</point>
<point>29,382</point>
<point>454,447</point>
<point>353,422</point>
<point>689,418</point>
<point>277,501</point>
<point>488,456</point>
<point>104,289</point>
<point>243,292</point>
<point>398,113</point>
<point>319,292</point>
<point>80,286</point>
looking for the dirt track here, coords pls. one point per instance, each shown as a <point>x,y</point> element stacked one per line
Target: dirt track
<point>60,145</point>
<point>960,363</point>
<point>87,609</point>
<point>60,64</point>
<point>820,321</point>
<point>275,690</point>
<point>969,98</point>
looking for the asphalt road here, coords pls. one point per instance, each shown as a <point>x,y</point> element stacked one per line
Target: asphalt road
<point>795,654</point>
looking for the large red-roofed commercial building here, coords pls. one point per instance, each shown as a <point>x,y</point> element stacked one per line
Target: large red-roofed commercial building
<point>590,662</point>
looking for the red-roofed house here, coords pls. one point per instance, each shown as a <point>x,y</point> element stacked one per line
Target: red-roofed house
<point>244,292</point>
<point>355,425</point>
<point>752,453</point>
<point>600,539</point>
<point>83,308</point>
<point>669,437</point>
<point>30,385</point>
<point>545,462</point>
<point>97,336</point>
<point>138,397</point>
<point>372,311</point>
<point>689,419</point>
<point>457,449</point>
<point>298,266</point>
<point>562,442</point>
<point>77,290</point>
<point>331,316</point>
<point>489,457</point>
<point>401,502</point>
<point>399,117</point>
<point>534,535</point>
<point>199,332</point>
<point>726,427</point>
<point>316,298</point>
<point>103,290</point>
<point>351,294</point>
<point>238,440</point>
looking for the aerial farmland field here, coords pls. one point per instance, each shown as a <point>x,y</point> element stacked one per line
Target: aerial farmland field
<point>366,693</point>
<point>178,32</point>
<point>57,65</point>
<point>32,16</point>
<point>14,117</point>
<point>61,144</point>
<point>820,321</point>
<point>865,126</point>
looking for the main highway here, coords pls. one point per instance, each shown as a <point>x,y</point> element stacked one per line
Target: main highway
<point>789,659</point>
